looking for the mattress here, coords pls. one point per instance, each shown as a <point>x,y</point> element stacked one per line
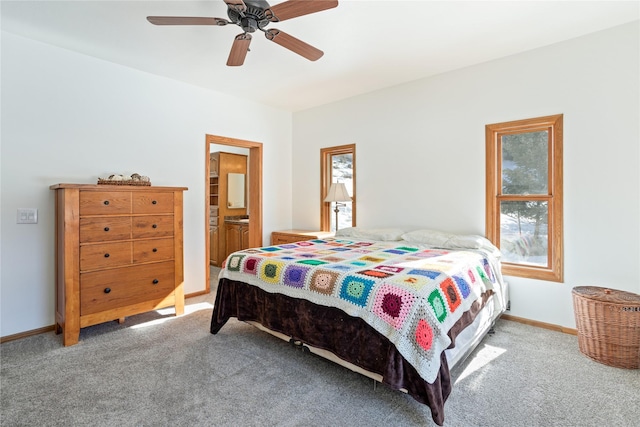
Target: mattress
<point>273,288</point>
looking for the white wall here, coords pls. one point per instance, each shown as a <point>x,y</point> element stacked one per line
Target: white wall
<point>421,163</point>
<point>71,118</point>
<point>420,156</point>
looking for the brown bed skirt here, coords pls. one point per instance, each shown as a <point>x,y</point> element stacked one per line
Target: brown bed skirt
<point>350,338</point>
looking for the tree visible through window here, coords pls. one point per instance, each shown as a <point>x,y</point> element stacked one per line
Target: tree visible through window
<point>524,195</point>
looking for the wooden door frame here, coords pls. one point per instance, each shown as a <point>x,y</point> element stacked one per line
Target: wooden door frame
<point>255,193</point>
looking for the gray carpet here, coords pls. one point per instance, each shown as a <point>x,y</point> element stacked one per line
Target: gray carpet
<point>159,370</point>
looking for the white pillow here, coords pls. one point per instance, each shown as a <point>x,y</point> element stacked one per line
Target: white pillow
<point>470,241</point>
<point>446,240</point>
<point>345,232</point>
<point>385,234</point>
<point>427,237</point>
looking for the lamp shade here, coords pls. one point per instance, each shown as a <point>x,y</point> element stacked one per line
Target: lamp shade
<point>337,193</point>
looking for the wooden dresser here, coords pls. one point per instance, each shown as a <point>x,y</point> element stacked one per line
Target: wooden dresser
<point>291,236</point>
<point>119,252</point>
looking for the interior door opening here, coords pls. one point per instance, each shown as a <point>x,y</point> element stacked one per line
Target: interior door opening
<point>216,143</point>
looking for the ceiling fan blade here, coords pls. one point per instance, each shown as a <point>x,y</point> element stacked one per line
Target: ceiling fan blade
<point>186,20</point>
<point>237,5</point>
<point>239,50</point>
<point>294,8</point>
<point>293,44</point>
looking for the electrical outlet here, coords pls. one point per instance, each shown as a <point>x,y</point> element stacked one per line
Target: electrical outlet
<point>27,216</point>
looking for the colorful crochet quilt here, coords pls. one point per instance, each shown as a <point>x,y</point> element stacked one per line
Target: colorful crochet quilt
<point>411,295</point>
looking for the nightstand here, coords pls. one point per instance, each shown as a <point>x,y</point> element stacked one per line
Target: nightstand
<point>291,236</point>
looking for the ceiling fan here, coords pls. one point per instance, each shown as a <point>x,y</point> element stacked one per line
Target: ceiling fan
<point>252,15</point>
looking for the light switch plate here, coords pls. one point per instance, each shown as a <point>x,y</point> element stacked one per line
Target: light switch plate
<point>27,216</point>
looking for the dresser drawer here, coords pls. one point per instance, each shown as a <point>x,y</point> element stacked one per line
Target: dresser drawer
<point>152,226</point>
<point>104,229</point>
<point>150,203</point>
<point>152,250</point>
<point>125,286</point>
<point>281,239</point>
<point>293,236</point>
<point>105,202</point>
<point>105,255</point>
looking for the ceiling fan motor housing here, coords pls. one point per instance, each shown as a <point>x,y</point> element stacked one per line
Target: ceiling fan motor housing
<point>252,18</point>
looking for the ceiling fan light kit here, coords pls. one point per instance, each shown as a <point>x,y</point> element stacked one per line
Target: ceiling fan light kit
<point>254,15</point>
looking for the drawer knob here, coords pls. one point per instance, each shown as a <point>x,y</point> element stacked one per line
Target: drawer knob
<point>106,202</point>
<point>106,255</point>
<point>106,229</point>
<point>155,281</point>
<point>154,202</point>
<point>155,249</point>
<point>107,290</point>
<point>155,226</point>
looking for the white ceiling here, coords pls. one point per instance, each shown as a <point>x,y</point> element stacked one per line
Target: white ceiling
<point>368,44</point>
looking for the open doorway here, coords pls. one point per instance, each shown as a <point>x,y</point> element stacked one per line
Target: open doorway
<point>254,192</point>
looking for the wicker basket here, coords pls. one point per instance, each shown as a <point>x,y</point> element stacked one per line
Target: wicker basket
<point>102,181</point>
<point>608,323</point>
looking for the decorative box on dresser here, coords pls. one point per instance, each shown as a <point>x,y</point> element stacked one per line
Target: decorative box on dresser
<point>119,252</point>
<point>291,236</point>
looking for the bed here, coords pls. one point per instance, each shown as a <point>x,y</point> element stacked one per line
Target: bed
<point>403,308</point>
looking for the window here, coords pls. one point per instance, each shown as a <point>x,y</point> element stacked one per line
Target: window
<point>338,164</point>
<point>524,196</point>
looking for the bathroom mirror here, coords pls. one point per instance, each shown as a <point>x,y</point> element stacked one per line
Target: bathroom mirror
<point>235,190</point>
